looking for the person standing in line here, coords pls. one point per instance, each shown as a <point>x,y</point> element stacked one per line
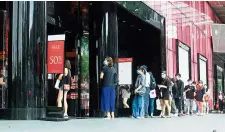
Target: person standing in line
<point>206,100</point>
<point>152,95</point>
<point>189,90</point>
<point>220,102</point>
<point>109,80</point>
<point>199,97</point>
<point>180,89</point>
<point>147,96</point>
<point>174,97</point>
<point>140,90</point>
<point>164,95</point>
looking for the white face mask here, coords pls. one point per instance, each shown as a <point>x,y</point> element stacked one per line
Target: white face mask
<point>163,76</point>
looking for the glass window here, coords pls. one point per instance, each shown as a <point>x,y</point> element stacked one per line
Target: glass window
<point>184,65</point>
<point>3,59</point>
<point>202,69</point>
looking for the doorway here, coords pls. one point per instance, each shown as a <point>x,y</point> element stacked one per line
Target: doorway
<point>141,41</point>
<point>73,22</point>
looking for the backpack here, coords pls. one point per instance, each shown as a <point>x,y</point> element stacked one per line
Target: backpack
<point>153,83</point>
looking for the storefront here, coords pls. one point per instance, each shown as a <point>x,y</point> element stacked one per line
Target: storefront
<point>189,23</point>
<point>92,32</point>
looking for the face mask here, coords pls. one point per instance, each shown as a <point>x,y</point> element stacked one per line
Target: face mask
<point>163,76</point>
<point>138,72</point>
<point>105,63</point>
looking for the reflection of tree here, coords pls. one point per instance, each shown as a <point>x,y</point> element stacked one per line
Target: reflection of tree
<point>138,8</point>
<point>219,84</point>
<point>84,60</point>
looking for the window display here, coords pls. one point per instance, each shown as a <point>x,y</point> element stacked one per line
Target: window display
<point>184,59</point>
<point>203,69</point>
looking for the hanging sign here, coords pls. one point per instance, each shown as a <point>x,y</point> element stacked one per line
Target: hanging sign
<point>125,71</point>
<point>55,53</point>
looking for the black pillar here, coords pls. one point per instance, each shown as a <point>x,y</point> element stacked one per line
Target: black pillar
<point>103,41</point>
<point>27,88</point>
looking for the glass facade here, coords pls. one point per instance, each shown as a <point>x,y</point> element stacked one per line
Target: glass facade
<point>91,30</point>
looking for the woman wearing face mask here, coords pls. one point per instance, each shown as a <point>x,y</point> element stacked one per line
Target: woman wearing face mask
<point>138,102</point>
<point>165,95</point>
<point>108,96</point>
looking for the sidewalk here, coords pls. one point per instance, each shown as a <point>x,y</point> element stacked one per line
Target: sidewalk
<point>177,124</point>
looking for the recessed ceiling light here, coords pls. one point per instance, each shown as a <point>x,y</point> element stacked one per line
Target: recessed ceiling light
<point>124,21</point>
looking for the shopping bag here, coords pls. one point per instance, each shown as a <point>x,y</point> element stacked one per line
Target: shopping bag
<point>152,94</point>
<point>57,84</point>
<point>158,104</point>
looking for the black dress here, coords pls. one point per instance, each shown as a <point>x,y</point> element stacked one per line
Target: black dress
<point>164,92</point>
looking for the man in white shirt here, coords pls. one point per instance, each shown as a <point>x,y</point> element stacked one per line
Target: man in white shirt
<point>147,96</point>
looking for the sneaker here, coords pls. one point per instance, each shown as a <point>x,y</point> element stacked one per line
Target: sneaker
<point>65,116</point>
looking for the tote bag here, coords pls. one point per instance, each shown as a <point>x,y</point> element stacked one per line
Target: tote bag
<point>158,104</point>
<point>152,94</point>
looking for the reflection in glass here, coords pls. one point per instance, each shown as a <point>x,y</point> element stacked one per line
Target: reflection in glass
<point>84,61</point>
<point>3,59</point>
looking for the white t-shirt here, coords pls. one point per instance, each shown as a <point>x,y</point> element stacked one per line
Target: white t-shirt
<point>148,80</point>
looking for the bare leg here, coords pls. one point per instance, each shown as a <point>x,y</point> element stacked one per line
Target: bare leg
<point>59,98</point>
<point>163,108</point>
<point>125,103</point>
<point>167,105</point>
<point>112,115</point>
<point>65,103</point>
<point>108,115</point>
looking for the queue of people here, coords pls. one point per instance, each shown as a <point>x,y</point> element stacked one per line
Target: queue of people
<point>171,96</point>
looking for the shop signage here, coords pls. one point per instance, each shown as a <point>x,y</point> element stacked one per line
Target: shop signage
<point>125,71</point>
<point>55,53</point>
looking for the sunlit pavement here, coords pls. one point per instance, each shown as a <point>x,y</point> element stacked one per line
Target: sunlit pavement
<point>194,123</point>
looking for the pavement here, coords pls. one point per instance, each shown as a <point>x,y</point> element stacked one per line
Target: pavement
<point>194,123</point>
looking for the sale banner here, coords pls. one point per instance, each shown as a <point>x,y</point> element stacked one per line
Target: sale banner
<point>55,54</point>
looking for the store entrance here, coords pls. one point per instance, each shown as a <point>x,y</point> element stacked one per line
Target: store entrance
<point>73,22</point>
<point>140,41</point>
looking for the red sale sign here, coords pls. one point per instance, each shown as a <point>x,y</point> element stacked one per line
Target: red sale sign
<point>56,53</point>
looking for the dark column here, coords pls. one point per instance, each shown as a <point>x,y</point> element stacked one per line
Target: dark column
<point>103,42</point>
<point>163,44</point>
<point>28,60</point>
<point>109,30</point>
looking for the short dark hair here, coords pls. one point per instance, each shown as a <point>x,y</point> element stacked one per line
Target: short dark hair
<point>194,82</point>
<point>178,74</point>
<point>189,80</point>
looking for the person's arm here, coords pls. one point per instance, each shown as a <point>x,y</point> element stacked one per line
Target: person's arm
<point>141,83</point>
<point>1,81</point>
<point>102,73</point>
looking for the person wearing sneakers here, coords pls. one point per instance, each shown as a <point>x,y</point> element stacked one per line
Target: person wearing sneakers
<point>147,86</point>
<point>164,94</point>
<point>200,92</point>
<point>140,90</point>
<point>180,89</point>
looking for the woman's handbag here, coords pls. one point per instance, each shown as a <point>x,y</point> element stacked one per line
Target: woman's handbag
<point>158,104</point>
<point>66,87</point>
<point>57,84</point>
<point>142,91</point>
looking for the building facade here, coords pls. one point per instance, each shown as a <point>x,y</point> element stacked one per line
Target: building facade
<point>180,36</point>
<point>188,25</point>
